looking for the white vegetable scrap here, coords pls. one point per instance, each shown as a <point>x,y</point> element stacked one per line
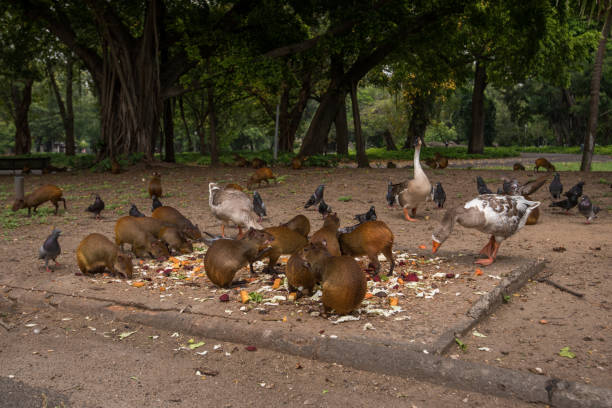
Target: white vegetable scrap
<point>368,326</point>
<point>344,319</point>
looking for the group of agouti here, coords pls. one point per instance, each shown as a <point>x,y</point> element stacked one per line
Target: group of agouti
<point>327,258</point>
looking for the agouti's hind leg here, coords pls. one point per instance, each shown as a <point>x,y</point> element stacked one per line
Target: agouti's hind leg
<point>388,253</point>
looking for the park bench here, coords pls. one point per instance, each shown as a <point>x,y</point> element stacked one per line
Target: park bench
<point>20,163</point>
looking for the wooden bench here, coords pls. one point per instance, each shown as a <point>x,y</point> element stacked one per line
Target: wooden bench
<point>19,163</point>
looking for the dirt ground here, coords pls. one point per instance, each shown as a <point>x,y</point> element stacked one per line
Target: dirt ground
<point>527,333</point>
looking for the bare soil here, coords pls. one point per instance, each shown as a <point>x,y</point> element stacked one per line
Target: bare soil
<point>526,334</point>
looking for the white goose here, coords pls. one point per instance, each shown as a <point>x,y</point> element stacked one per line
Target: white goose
<point>418,189</point>
<point>231,205</point>
<point>499,215</point>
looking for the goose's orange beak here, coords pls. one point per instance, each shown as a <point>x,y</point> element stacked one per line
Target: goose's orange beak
<point>434,246</point>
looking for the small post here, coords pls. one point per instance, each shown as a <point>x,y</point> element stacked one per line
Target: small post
<point>19,191</point>
<point>276,132</point>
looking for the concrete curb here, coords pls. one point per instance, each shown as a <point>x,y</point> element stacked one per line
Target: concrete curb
<point>391,358</point>
<point>488,303</point>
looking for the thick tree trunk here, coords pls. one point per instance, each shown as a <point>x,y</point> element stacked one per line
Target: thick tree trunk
<point>169,131</point>
<point>476,143</point>
<point>362,158</point>
<point>342,134</point>
<point>314,141</point>
<point>214,150</point>
<point>419,120</point>
<point>389,140</point>
<point>589,138</point>
<point>22,99</point>
<point>184,120</point>
<point>65,109</point>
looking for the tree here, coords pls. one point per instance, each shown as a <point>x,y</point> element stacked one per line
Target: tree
<point>66,109</point>
<point>589,139</point>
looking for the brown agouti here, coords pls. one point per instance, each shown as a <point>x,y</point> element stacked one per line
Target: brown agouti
<point>262,174</point>
<point>234,186</point>
<point>297,162</point>
<point>115,167</point>
<point>518,167</point>
<point>431,163</point>
<point>328,233</point>
<point>96,252</point>
<point>343,283</point>
<point>155,187</point>
<point>143,242</point>
<point>370,238</point>
<point>241,161</point>
<point>534,215</point>
<point>299,224</point>
<point>300,276</point>
<point>226,256</point>
<point>286,242</point>
<point>542,162</point>
<point>41,195</point>
<point>173,216</point>
<point>441,161</point>
<point>173,236</point>
<point>175,240</point>
<point>258,163</point>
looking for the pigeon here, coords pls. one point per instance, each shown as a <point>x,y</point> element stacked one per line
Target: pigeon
<point>570,202</point>
<point>513,187</point>
<point>134,211</point>
<point>556,188</point>
<point>50,249</point>
<point>316,197</point>
<point>156,203</point>
<point>390,196</point>
<point>96,207</point>
<point>586,208</point>
<point>369,216</point>
<point>258,205</point>
<point>211,238</point>
<point>482,187</point>
<point>576,190</point>
<point>324,209</point>
<point>439,195</point>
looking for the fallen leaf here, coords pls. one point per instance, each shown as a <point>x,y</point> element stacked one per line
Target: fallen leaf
<point>461,344</point>
<point>565,352</point>
<point>196,345</point>
<point>477,334</point>
<point>126,334</point>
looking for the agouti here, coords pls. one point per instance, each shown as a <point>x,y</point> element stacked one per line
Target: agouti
<point>172,235</point>
<point>241,161</point>
<point>262,174</point>
<point>115,167</point>
<point>534,215</point>
<point>370,238</point>
<point>431,163</point>
<point>286,242</point>
<point>441,161</point>
<point>258,163</point>
<point>328,233</point>
<point>234,186</point>
<point>143,242</point>
<point>299,224</point>
<point>542,162</point>
<point>226,256</point>
<point>155,188</point>
<point>96,252</point>
<point>41,195</point>
<point>297,162</point>
<point>300,277</point>
<point>173,216</point>
<point>344,284</point>
<point>518,167</point>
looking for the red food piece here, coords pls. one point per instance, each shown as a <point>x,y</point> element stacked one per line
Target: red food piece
<point>224,297</point>
<point>251,348</point>
<point>402,263</point>
<point>412,277</point>
<point>450,275</point>
<point>376,278</point>
<point>396,287</point>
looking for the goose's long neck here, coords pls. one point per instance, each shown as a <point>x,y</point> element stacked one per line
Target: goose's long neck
<point>446,225</point>
<point>418,170</point>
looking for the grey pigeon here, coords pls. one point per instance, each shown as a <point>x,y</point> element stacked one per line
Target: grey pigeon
<point>586,208</point>
<point>156,203</point>
<point>97,207</point>
<point>134,212</point>
<point>482,187</point>
<point>439,195</point>
<point>324,209</point>
<point>369,216</point>
<point>556,188</point>
<point>570,202</point>
<point>575,191</point>
<point>50,249</point>
<point>258,205</point>
<point>316,197</point>
<point>390,196</point>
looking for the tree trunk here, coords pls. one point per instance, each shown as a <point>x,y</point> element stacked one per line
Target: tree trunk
<point>362,158</point>
<point>169,131</point>
<point>589,138</point>
<point>342,135</point>
<point>419,120</point>
<point>314,141</point>
<point>22,99</point>
<point>66,110</point>
<point>184,120</point>
<point>214,152</point>
<point>476,143</point>
<point>389,140</point>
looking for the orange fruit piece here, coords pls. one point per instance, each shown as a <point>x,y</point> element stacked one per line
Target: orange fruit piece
<point>277,283</point>
<point>422,246</point>
<point>244,296</point>
<point>478,272</point>
<point>369,296</point>
<point>400,281</point>
<point>138,284</point>
<point>393,301</point>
